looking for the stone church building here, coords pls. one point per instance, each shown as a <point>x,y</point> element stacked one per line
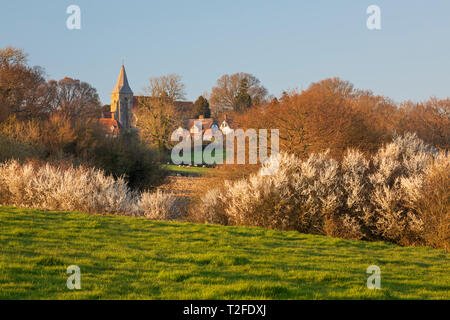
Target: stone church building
<point>124,103</point>
<point>120,115</point>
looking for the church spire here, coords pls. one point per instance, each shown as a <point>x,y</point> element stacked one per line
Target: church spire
<point>122,85</point>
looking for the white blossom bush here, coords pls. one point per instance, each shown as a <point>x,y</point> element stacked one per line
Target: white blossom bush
<point>160,206</point>
<point>319,185</point>
<point>82,189</point>
<point>211,208</point>
<point>433,205</point>
<point>348,220</point>
<point>296,196</point>
<point>52,188</point>
<point>399,168</point>
<point>361,198</point>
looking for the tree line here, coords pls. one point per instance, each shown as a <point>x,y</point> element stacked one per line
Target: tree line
<point>26,94</point>
<point>333,114</point>
<point>330,114</point>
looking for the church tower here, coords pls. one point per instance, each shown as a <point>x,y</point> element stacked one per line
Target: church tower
<point>122,101</point>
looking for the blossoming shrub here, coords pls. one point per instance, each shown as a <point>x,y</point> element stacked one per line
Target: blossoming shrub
<point>380,198</point>
<point>69,188</point>
<point>395,184</point>
<point>161,206</point>
<point>433,205</point>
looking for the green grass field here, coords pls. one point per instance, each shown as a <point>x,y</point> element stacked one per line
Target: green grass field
<point>129,258</point>
<point>197,157</point>
<point>183,170</point>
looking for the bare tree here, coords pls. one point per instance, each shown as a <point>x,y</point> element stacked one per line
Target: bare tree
<point>13,56</point>
<point>224,95</point>
<point>168,86</point>
<point>25,93</point>
<point>156,119</point>
<point>23,89</point>
<point>430,119</point>
<point>75,99</point>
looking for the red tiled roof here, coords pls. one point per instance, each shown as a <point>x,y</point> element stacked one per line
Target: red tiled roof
<point>112,126</point>
<point>107,115</point>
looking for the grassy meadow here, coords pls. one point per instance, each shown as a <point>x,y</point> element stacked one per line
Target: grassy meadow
<point>129,258</point>
<point>184,170</point>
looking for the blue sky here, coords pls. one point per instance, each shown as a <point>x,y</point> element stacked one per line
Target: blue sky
<point>286,44</point>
